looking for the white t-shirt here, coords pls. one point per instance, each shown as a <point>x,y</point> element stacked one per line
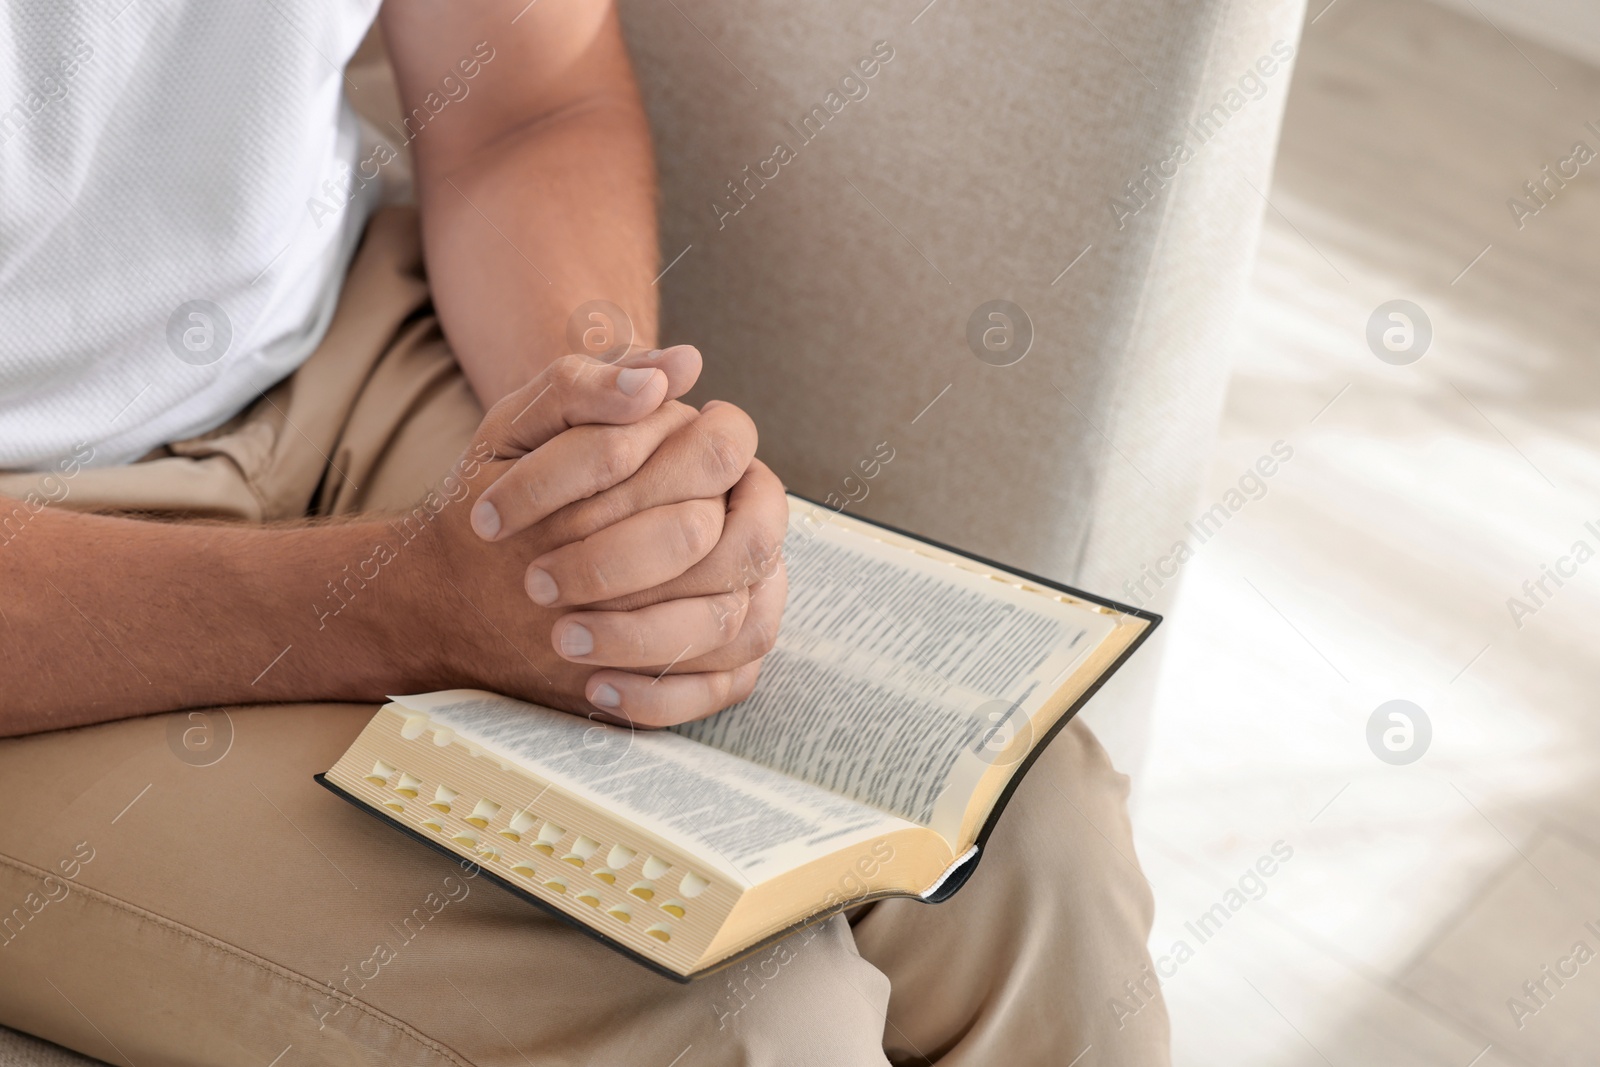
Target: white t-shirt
<point>161,260</point>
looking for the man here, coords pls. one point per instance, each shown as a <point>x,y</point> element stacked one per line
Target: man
<point>491,184</point>
<point>187,188</point>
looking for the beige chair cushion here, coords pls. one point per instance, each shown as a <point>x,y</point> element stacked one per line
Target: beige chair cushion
<point>983,159</point>
<point>21,1050</point>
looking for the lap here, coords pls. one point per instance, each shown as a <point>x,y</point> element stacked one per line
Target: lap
<point>219,912</point>
<point>172,898</point>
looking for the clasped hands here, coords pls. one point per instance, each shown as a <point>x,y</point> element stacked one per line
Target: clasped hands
<point>619,553</point>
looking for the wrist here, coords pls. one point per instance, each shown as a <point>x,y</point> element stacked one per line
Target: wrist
<point>360,599</point>
<point>404,597</point>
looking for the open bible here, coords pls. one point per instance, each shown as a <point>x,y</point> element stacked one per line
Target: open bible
<point>910,688</point>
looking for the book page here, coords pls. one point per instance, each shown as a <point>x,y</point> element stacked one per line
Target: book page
<point>898,676</point>
<point>744,819</point>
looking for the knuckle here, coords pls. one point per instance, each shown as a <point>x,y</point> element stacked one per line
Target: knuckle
<point>741,683</point>
<point>763,637</point>
<point>764,554</point>
<point>613,461</point>
<point>721,686</point>
<point>737,413</point>
<point>633,644</point>
<point>500,413</point>
<point>533,489</point>
<point>567,372</point>
<point>700,526</point>
<point>728,611</point>
<point>748,685</point>
<point>724,460</point>
<point>588,578</point>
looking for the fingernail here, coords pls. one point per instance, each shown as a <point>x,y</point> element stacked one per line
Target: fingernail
<point>605,696</point>
<point>485,520</point>
<point>654,353</point>
<point>576,640</point>
<point>634,379</point>
<point>541,587</point>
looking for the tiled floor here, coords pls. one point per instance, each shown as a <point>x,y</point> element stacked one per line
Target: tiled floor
<point>1419,898</point>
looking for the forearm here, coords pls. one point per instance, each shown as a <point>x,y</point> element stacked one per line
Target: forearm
<point>105,618</point>
<point>539,220</point>
<point>636,560</point>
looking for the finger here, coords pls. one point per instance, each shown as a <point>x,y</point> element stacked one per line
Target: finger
<point>680,363</point>
<point>661,633</point>
<point>637,553</point>
<point>572,391</point>
<point>749,551</point>
<point>670,699</point>
<point>755,635</point>
<point>704,458</point>
<point>573,465</point>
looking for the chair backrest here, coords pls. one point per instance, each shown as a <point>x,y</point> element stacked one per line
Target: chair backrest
<point>851,190</point>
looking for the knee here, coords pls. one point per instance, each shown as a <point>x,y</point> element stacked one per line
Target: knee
<point>1066,829</point>
<point>1071,791</point>
<point>810,998</point>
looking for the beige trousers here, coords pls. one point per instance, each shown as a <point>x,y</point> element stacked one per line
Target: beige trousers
<point>176,890</point>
